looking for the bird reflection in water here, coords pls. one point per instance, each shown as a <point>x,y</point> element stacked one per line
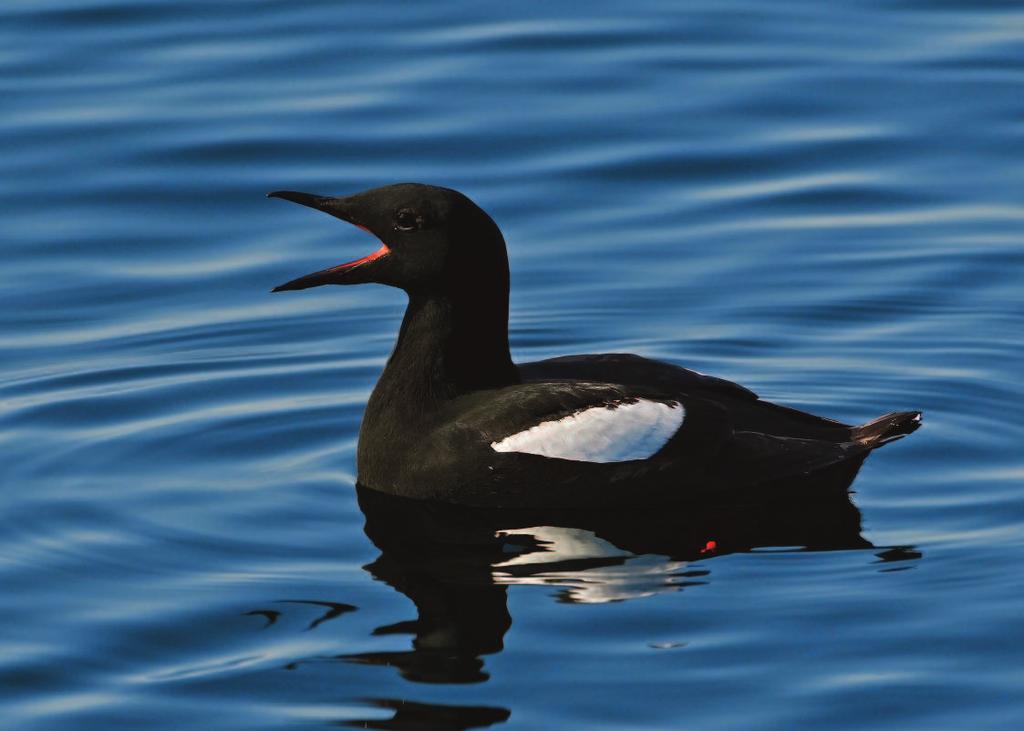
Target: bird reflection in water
<point>456,563</point>
<point>411,716</point>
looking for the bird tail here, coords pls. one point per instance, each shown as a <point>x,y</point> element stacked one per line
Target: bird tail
<point>886,428</point>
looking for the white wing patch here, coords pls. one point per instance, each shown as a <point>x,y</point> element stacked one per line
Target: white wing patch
<point>602,433</point>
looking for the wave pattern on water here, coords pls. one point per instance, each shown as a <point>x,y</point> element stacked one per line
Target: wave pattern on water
<point>821,202</point>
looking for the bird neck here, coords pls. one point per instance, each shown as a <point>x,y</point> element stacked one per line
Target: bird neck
<point>449,345</point>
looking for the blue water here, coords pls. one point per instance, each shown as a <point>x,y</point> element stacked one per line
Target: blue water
<point>822,201</point>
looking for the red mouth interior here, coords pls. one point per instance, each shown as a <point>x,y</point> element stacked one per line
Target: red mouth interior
<point>383,250</point>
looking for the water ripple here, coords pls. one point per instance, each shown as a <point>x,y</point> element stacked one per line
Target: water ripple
<point>819,201</point>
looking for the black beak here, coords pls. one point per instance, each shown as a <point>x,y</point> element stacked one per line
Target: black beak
<point>354,272</point>
<point>337,207</point>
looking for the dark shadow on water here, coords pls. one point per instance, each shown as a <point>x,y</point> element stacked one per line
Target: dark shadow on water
<point>411,716</point>
<point>456,564</point>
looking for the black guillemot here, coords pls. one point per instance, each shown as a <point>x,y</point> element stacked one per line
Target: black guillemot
<point>452,418</point>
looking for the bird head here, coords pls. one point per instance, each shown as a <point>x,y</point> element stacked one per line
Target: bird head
<point>432,239</point>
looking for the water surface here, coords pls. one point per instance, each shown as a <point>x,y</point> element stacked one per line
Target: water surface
<point>819,201</point>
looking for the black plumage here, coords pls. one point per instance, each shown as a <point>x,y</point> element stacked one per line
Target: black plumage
<point>450,389</point>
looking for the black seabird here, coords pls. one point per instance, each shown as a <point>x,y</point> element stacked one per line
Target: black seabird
<point>452,418</point>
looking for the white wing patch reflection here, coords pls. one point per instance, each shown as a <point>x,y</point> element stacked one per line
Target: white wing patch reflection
<point>617,433</point>
<point>612,574</point>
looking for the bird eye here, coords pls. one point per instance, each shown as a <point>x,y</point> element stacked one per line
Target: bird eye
<point>407,220</point>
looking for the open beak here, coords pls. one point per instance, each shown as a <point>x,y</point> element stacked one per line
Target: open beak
<point>354,272</point>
